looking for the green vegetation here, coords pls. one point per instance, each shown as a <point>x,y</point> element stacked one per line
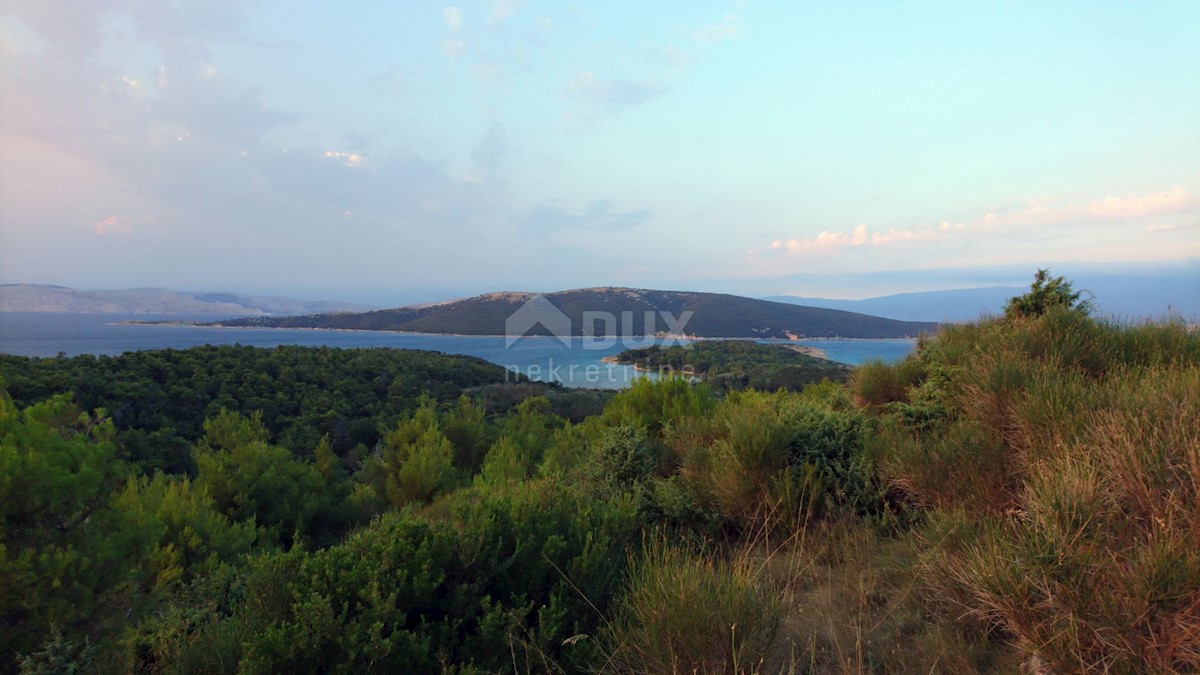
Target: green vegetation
<point>1020,493</point>
<point>1046,294</point>
<point>158,401</point>
<point>1063,473</point>
<point>710,315</point>
<point>737,364</point>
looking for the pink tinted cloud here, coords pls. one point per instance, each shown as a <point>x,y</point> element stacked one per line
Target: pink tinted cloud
<point>118,225</point>
<point>1108,210</point>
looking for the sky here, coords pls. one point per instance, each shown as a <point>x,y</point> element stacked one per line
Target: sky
<point>388,151</point>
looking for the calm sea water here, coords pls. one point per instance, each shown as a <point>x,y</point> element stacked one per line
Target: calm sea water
<point>581,365</point>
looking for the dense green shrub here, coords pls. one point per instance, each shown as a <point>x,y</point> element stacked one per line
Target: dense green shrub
<point>653,404</point>
<point>71,561</point>
<point>1046,294</point>
<point>253,481</point>
<point>622,456</point>
<point>776,456</point>
<point>503,579</point>
<point>876,383</point>
<point>416,461</point>
<point>192,537</point>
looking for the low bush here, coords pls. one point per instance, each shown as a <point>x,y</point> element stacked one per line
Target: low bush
<point>1062,481</point>
<point>686,612</point>
<point>876,383</point>
<point>1101,571</point>
<point>776,457</point>
<point>495,577</point>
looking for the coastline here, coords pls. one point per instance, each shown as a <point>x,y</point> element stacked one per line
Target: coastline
<point>816,353</point>
<point>677,338</point>
<point>808,351</point>
<point>612,360</point>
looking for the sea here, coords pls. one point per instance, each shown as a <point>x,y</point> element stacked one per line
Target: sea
<point>581,364</point>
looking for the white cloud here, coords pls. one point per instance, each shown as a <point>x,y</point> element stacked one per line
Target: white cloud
<point>1170,227</point>
<point>454,19</point>
<point>1109,209</point>
<point>1174,200</point>
<point>502,9</point>
<point>209,156</point>
<point>677,57</point>
<point>612,94</point>
<point>1016,223</point>
<point>730,26</point>
<point>452,47</point>
<point>132,84</point>
<point>828,240</point>
<point>491,72</point>
<point>349,158</point>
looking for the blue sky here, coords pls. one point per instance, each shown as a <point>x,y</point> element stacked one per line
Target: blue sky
<point>410,150</point>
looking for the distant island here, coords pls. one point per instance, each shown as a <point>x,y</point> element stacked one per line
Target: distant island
<point>51,298</point>
<point>636,312</point>
<point>738,364</point>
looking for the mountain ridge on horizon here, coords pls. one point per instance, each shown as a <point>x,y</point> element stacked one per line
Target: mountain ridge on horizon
<point>48,298</point>
<point>1117,295</point>
<point>712,315</point>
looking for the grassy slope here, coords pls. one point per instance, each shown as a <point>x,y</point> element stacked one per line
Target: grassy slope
<point>1044,480</point>
<point>1056,460</point>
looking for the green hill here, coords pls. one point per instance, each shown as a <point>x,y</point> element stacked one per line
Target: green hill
<point>713,315</point>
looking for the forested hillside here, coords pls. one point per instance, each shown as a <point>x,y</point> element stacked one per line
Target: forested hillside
<point>158,401</point>
<point>713,315</point>
<point>1019,494</point>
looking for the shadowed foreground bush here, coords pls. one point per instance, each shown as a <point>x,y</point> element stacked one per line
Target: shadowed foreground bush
<point>692,613</point>
<point>500,580</point>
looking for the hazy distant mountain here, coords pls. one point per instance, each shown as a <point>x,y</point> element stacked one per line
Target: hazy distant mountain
<point>714,315</point>
<point>964,304</point>
<point>46,298</point>
<point>1131,296</point>
<point>1145,296</point>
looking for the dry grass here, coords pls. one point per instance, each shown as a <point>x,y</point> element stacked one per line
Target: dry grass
<point>1056,462</point>
<point>1065,488</point>
<point>853,604</point>
<point>693,612</point>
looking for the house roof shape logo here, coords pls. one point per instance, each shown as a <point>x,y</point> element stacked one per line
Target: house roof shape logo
<point>537,311</point>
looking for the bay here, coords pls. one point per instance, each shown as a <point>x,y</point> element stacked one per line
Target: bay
<point>540,358</point>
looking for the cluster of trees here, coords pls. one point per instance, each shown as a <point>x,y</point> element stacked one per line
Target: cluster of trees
<point>1021,489</point>
<point>463,539</point>
<point>158,401</point>
<point>728,365</point>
